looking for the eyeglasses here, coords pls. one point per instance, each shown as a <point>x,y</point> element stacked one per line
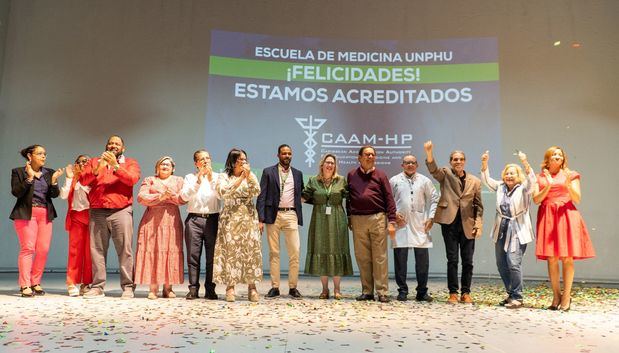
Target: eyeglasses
<point>82,161</point>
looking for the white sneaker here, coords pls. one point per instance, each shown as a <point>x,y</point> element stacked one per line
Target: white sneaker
<point>73,291</point>
<point>127,293</point>
<point>94,293</point>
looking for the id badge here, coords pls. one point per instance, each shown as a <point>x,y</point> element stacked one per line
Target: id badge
<point>328,210</point>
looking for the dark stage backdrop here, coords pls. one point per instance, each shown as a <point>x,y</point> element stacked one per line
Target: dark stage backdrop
<point>174,76</point>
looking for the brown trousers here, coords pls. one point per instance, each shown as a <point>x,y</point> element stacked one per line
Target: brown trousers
<point>370,241</point>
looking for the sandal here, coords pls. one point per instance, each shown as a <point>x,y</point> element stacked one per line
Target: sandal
<point>337,296</point>
<point>72,290</point>
<point>37,289</point>
<point>152,295</point>
<point>324,294</point>
<point>230,295</point>
<point>253,295</point>
<point>168,293</point>
<point>26,292</point>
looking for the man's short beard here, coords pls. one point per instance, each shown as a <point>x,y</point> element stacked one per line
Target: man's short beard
<point>117,154</point>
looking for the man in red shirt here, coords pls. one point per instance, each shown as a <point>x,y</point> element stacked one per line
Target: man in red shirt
<point>111,179</point>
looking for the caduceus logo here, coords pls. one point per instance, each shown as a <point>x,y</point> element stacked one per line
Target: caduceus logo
<point>310,126</point>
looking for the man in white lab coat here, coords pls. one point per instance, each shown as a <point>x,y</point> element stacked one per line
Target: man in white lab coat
<point>416,199</point>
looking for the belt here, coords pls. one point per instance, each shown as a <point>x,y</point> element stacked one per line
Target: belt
<point>203,215</point>
<point>284,209</point>
<point>34,204</point>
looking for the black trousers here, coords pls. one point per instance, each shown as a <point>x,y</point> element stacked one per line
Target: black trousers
<point>422,265</point>
<point>200,232</point>
<point>455,241</point>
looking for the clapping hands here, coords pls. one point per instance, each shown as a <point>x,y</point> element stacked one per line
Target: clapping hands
<point>56,175</point>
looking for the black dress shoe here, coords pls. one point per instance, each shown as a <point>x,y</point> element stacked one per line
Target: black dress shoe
<point>210,294</point>
<point>192,294</point>
<point>273,292</point>
<point>402,297</point>
<point>384,299</point>
<point>293,292</point>
<point>365,297</point>
<point>425,298</point>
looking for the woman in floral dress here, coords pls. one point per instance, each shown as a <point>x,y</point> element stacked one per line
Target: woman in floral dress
<point>238,250</point>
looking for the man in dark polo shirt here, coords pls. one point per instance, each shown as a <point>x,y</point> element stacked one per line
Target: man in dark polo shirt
<point>371,214</point>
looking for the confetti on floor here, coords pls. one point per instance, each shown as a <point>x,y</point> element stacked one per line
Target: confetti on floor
<point>56,322</point>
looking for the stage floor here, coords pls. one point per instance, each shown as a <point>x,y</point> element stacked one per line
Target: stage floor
<point>58,323</point>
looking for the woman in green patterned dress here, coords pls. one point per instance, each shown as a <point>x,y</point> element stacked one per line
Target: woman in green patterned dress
<point>238,253</point>
<point>328,251</point>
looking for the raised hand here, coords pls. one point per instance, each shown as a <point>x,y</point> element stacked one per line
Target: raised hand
<point>203,171</point>
<point>428,146</point>
<point>102,161</point>
<point>484,160</point>
<point>523,159</point>
<point>246,170</point>
<point>29,171</point>
<point>568,177</point>
<point>110,158</point>
<point>547,175</point>
<point>56,175</point>
<point>69,171</point>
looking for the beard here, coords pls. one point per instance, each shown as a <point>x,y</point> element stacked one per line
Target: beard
<point>117,153</point>
<point>285,162</point>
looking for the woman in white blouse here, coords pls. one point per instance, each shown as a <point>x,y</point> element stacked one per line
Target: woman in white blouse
<point>79,263</point>
<point>512,229</point>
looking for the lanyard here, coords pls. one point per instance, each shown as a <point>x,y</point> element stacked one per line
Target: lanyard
<point>282,178</point>
<point>328,190</point>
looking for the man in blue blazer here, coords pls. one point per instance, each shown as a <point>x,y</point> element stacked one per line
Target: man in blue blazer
<point>279,206</point>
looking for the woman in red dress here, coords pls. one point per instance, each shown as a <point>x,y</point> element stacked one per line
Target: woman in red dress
<point>561,232</point>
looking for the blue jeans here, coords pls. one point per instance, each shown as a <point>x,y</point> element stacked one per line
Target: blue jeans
<point>510,268</point>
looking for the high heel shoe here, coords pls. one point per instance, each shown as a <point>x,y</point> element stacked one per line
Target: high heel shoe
<point>168,293</point>
<point>554,307</point>
<point>569,306</point>
<point>253,295</point>
<point>230,295</point>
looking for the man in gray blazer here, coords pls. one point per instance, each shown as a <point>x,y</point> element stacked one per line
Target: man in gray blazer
<point>459,213</point>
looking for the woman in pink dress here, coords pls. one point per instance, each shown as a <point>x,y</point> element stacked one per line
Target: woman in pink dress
<point>561,232</point>
<point>159,254</point>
